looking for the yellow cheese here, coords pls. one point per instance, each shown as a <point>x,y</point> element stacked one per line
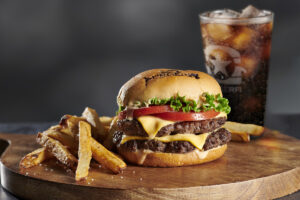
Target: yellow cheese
<point>153,124</point>
<point>197,140</point>
<point>221,114</point>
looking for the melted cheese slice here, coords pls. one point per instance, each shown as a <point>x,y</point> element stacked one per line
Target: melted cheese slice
<point>221,114</point>
<point>197,140</point>
<point>153,124</point>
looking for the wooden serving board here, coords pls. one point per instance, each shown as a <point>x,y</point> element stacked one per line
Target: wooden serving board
<point>265,168</point>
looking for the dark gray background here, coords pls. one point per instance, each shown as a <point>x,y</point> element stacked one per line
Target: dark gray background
<point>58,56</point>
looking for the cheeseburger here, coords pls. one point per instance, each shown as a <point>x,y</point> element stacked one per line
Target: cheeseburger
<point>171,118</point>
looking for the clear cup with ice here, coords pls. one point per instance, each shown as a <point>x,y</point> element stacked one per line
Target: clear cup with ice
<point>237,49</point>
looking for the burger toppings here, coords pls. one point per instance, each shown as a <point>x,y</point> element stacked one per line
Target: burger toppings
<point>178,108</point>
<point>174,120</point>
<point>150,128</point>
<point>152,125</point>
<point>197,140</point>
<point>182,116</point>
<point>135,113</point>
<point>134,128</point>
<point>154,117</point>
<point>209,102</point>
<point>215,139</point>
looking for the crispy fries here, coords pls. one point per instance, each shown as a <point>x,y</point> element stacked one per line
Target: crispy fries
<point>34,158</point>
<point>92,117</point>
<point>84,151</point>
<point>58,150</point>
<point>241,132</point>
<point>69,125</point>
<point>105,120</point>
<point>65,139</point>
<point>107,158</point>
<point>76,137</point>
<point>240,137</point>
<point>251,129</point>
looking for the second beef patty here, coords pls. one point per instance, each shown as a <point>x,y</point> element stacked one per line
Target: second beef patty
<point>215,139</point>
<point>134,128</point>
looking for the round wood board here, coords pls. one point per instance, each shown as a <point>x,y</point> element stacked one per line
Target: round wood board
<point>265,168</point>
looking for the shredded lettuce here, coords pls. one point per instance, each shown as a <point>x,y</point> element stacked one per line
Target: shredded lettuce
<point>179,103</point>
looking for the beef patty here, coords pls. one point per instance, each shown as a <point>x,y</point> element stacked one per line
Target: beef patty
<point>215,139</point>
<point>134,128</point>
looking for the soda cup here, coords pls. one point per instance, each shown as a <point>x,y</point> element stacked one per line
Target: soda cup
<point>237,52</point>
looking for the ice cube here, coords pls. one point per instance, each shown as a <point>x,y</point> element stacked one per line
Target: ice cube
<point>250,64</point>
<point>225,13</point>
<point>250,11</point>
<point>203,31</point>
<point>219,32</point>
<point>243,39</point>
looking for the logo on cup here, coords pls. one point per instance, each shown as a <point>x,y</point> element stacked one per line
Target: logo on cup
<point>224,64</point>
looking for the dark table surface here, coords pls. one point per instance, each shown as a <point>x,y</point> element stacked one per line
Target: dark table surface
<point>285,123</point>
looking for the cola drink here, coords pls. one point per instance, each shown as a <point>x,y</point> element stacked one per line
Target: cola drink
<point>237,49</point>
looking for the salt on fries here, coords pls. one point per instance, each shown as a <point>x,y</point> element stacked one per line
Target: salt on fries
<point>73,142</point>
<point>242,132</point>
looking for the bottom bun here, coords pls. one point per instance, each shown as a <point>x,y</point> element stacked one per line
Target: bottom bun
<point>159,159</point>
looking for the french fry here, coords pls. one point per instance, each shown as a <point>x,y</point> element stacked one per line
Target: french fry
<point>240,137</point>
<point>34,158</point>
<point>107,158</point>
<point>105,120</point>
<point>58,150</point>
<point>65,139</point>
<point>84,151</point>
<point>92,117</point>
<point>251,129</point>
<point>73,136</point>
<point>69,125</point>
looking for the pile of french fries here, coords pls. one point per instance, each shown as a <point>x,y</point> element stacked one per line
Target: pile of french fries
<point>242,132</point>
<point>74,142</point>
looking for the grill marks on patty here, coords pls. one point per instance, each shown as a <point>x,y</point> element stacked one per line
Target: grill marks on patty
<point>133,127</point>
<point>215,139</point>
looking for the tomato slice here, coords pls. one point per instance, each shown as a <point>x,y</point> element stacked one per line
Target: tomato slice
<point>144,111</point>
<point>167,113</point>
<point>191,116</point>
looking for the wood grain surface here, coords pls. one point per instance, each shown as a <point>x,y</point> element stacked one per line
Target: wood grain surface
<point>265,168</point>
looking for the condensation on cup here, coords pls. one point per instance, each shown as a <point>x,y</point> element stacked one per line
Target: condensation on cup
<point>237,49</point>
